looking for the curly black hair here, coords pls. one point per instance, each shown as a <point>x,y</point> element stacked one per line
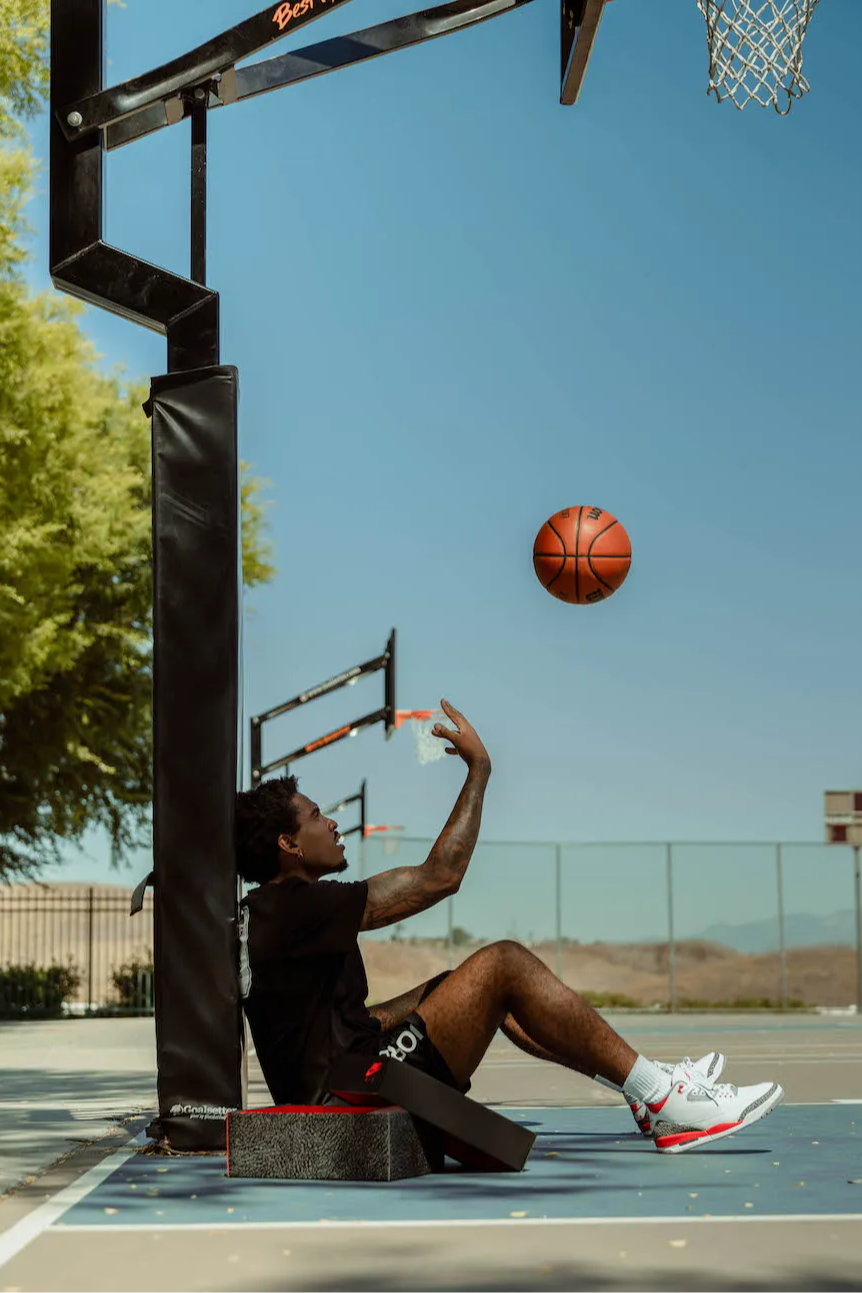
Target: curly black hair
<point>262,815</point>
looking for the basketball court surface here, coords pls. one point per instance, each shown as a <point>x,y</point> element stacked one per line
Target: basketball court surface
<point>776,1207</point>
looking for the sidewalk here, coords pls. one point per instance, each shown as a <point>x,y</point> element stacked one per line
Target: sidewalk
<point>66,1081</point>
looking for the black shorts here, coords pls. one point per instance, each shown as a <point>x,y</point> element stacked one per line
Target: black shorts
<point>409,1043</point>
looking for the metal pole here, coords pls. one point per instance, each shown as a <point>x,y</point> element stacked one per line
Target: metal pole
<point>558,888</point>
<point>858,882</point>
<point>199,188</point>
<point>449,944</point>
<point>779,877</point>
<point>256,745</point>
<point>671,945</point>
<point>89,949</point>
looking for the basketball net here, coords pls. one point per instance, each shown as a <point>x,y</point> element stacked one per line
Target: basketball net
<point>755,50</point>
<point>428,747</point>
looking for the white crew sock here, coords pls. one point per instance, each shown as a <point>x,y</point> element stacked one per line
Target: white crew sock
<point>604,1081</point>
<point>646,1081</point>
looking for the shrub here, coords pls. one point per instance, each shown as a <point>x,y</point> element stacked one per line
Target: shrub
<point>36,991</point>
<point>739,1003</point>
<point>134,983</point>
<point>610,1001</point>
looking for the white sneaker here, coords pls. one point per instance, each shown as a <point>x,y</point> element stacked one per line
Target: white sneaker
<point>708,1069</point>
<point>693,1113</point>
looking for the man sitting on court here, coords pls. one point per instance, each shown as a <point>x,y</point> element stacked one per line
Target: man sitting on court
<point>304,984</point>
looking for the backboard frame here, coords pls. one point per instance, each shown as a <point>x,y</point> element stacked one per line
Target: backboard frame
<point>579,26</point>
<point>842,815</point>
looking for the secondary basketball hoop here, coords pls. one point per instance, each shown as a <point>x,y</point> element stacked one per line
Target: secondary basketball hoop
<point>428,747</point>
<point>390,844</point>
<point>755,50</point>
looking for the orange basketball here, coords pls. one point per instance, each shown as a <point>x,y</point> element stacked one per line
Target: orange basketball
<point>582,554</point>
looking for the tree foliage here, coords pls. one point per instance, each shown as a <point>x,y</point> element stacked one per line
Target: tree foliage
<point>75,541</point>
<point>23,62</point>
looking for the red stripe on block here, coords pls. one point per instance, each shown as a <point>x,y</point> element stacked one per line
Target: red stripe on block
<point>320,1108</point>
<point>683,1136</point>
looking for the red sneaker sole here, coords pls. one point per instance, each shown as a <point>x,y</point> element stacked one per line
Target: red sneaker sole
<point>679,1143</point>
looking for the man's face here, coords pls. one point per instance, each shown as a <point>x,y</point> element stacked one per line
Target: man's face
<point>317,838</point>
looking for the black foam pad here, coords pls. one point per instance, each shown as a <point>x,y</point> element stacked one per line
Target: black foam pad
<point>329,1143</point>
<point>472,1133</point>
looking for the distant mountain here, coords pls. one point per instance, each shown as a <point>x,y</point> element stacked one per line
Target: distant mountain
<point>837,929</point>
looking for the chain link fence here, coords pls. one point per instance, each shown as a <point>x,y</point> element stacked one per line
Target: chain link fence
<point>670,926</point>
<point>665,926</point>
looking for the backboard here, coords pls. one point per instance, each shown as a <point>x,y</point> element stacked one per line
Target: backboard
<point>579,26</point>
<point>843,816</point>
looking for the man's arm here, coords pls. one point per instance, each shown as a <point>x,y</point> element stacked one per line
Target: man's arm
<point>404,891</point>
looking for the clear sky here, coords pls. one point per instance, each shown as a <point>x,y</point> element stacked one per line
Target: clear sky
<point>456,308</point>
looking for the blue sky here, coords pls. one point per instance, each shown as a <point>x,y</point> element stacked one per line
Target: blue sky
<point>457,308</point>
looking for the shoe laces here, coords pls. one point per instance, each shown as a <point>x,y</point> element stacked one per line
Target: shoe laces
<point>687,1063</point>
<point>715,1091</point>
<point>725,1090</point>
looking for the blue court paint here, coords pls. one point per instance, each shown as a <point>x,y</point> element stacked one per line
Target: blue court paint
<point>585,1163</point>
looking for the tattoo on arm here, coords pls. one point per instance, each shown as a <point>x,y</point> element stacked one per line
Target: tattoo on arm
<point>454,847</point>
<point>395,895</point>
<point>404,891</point>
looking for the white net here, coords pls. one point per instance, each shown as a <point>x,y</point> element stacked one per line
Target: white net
<point>755,50</point>
<point>428,747</point>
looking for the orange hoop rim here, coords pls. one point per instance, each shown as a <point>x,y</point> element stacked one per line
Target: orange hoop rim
<point>420,715</point>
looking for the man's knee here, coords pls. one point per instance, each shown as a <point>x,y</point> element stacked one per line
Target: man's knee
<point>506,953</point>
<point>508,947</point>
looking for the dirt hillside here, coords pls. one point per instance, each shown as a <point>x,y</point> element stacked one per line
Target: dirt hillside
<point>705,972</point>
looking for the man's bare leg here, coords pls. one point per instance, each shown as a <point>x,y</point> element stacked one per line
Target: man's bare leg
<point>512,1029</point>
<point>393,1012</point>
<point>467,1008</point>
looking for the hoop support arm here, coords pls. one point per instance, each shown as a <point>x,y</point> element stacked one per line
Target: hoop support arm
<point>96,111</point>
<point>370,42</point>
<point>324,688</point>
<point>340,733</point>
<point>228,84</point>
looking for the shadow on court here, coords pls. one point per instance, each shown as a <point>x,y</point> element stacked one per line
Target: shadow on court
<point>77,1088</point>
<point>45,1116</point>
<point>577,1277</point>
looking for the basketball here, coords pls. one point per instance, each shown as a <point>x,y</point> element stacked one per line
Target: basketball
<point>581,555</point>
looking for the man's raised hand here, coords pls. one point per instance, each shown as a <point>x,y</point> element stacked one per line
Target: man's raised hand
<point>463,739</point>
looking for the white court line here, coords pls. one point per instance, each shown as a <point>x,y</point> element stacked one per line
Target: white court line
<point>76,1106</point>
<point>214,1228</point>
<point>50,1213</point>
<point>509,1106</point>
<point>38,1221</point>
<point>738,1057</point>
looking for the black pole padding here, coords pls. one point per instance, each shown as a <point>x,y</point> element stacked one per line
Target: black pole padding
<point>196,550</point>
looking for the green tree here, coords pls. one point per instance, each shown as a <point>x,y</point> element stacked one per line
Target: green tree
<point>75,547</point>
<point>23,62</point>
